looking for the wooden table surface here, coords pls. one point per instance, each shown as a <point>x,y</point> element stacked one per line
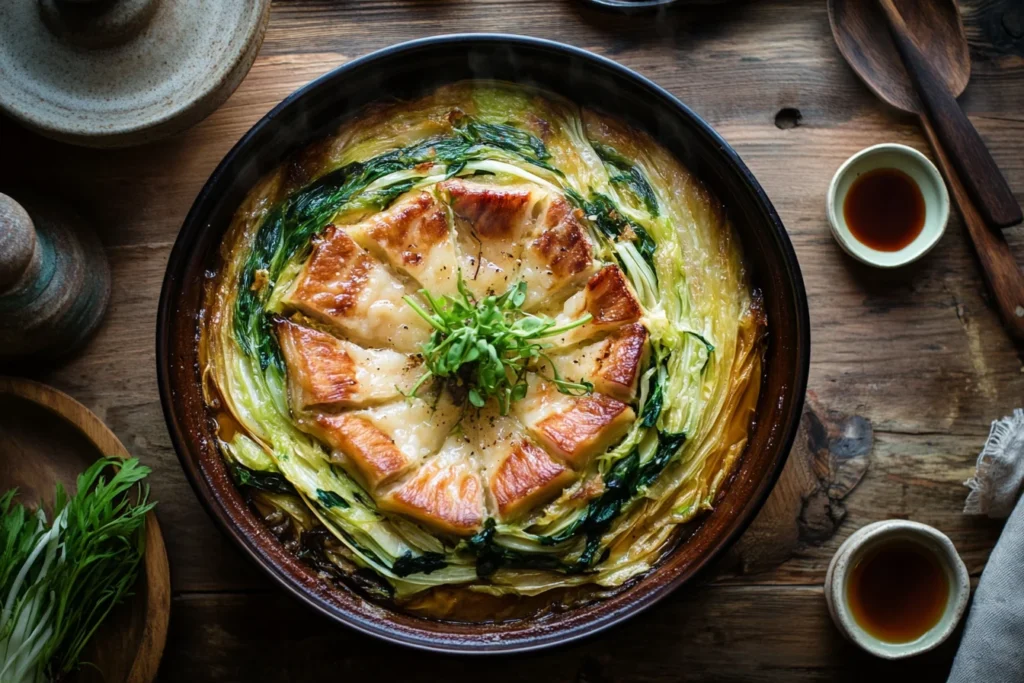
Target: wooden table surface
<point>918,354</point>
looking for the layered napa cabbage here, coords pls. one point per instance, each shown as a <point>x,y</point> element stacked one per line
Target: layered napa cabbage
<point>644,211</point>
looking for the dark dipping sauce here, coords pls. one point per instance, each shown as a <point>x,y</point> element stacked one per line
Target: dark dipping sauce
<point>884,209</point>
<point>898,591</point>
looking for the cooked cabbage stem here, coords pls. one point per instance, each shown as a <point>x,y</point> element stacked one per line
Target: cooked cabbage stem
<point>641,211</point>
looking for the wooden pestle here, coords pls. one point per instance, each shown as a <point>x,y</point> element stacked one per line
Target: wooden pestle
<point>54,280</point>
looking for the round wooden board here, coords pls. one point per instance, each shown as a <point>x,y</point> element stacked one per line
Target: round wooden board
<point>45,437</point>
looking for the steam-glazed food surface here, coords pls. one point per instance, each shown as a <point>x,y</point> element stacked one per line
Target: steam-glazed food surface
<point>481,345</point>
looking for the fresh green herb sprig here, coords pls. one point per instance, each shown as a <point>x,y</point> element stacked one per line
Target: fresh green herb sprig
<point>58,582</point>
<point>489,344</point>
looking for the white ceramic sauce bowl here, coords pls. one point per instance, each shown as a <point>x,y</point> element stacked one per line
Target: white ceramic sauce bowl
<point>924,174</point>
<point>869,537</point>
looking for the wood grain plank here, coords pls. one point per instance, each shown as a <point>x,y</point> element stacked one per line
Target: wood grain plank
<point>708,634</point>
<point>919,353</point>
<point>947,372</point>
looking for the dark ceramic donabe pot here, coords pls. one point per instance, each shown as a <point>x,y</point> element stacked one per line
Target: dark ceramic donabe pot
<point>405,71</point>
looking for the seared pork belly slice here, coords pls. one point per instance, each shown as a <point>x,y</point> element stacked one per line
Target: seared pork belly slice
<point>608,298</point>
<point>380,443</point>
<point>588,427</point>
<point>491,222</point>
<point>327,372</point>
<point>520,475</point>
<point>497,213</point>
<point>359,446</point>
<point>413,237</point>
<point>574,428</point>
<point>525,477</point>
<point>613,365</point>
<point>343,286</point>
<point>445,493</point>
<point>558,257</point>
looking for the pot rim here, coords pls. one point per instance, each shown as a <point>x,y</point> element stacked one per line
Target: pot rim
<point>784,432</point>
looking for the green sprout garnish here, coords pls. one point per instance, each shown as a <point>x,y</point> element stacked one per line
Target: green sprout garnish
<point>487,346</point>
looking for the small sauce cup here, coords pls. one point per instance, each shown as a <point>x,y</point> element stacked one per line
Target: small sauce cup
<point>928,181</point>
<point>871,538</point>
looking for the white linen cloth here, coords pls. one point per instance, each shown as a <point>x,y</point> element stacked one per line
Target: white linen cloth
<point>991,649</point>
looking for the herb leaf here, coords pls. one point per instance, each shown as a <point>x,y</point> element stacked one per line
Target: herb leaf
<point>655,400</point>
<point>274,482</point>
<point>421,564</point>
<point>488,345</point>
<point>60,581</point>
<point>491,556</point>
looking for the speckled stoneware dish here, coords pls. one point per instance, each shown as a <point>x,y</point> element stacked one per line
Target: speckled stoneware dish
<point>409,70</point>
<point>123,72</point>
<point>854,549</point>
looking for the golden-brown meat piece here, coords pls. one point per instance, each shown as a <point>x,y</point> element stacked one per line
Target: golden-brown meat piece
<point>446,493</point>
<point>558,256</point>
<point>589,427</point>
<point>491,222</point>
<point>413,237</point>
<point>343,286</point>
<point>608,298</point>
<point>360,447</point>
<point>378,443</point>
<point>525,476</point>
<point>574,428</point>
<point>613,365</point>
<point>327,372</point>
<point>497,213</point>
<point>520,475</point>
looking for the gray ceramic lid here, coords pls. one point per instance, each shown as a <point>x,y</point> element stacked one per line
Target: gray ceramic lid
<point>183,62</point>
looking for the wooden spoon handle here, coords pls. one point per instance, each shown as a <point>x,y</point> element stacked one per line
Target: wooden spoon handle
<point>1004,276</point>
<point>976,167</point>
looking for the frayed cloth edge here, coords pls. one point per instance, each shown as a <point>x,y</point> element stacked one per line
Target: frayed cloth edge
<point>990,468</point>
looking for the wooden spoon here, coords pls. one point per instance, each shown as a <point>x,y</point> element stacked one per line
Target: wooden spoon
<point>933,32</point>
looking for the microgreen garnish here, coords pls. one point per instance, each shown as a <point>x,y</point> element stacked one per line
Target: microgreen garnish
<point>487,346</point>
